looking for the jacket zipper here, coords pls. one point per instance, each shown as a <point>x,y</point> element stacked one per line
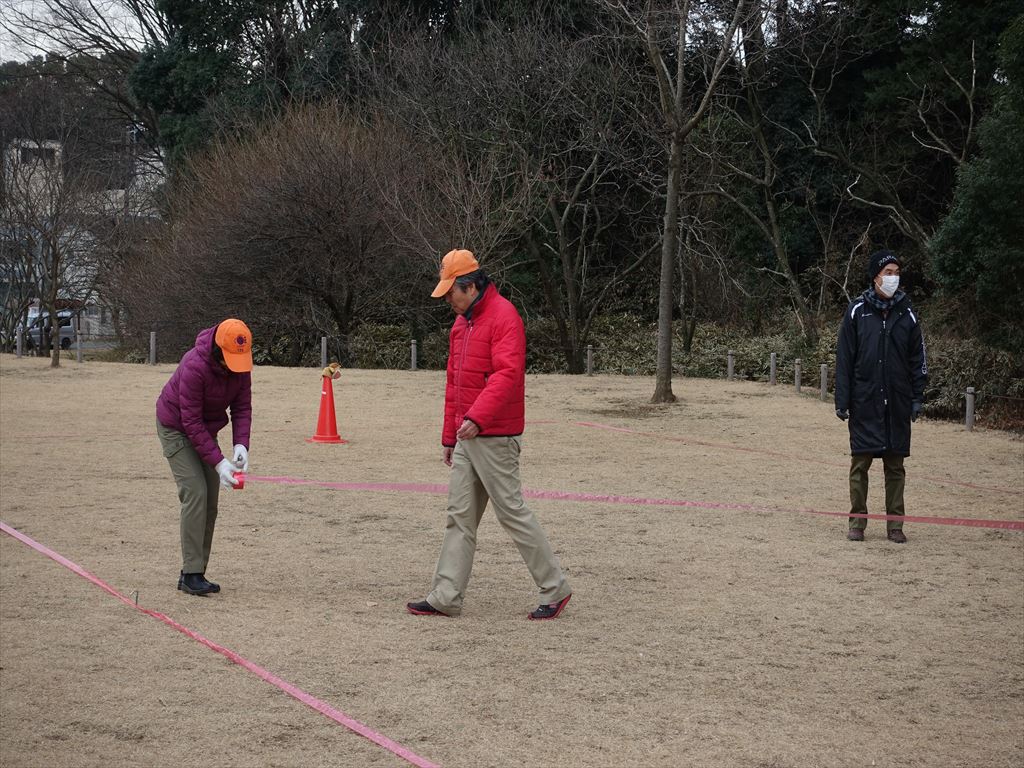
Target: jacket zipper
<point>458,380</point>
<point>885,383</point>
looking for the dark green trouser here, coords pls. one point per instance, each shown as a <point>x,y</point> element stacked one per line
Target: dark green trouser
<point>198,490</point>
<point>895,481</point>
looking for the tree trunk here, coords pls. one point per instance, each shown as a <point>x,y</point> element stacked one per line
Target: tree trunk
<point>116,324</point>
<point>670,238</point>
<point>51,302</point>
<point>752,73</point>
<point>688,326</point>
<point>807,321</point>
<point>573,354</point>
<point>342,314</point>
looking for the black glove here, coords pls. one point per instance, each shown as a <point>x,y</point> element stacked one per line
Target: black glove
<point>843,413</point>
<point>915,410</point>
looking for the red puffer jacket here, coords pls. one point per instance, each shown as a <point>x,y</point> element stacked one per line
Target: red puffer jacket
<point>486,370</point>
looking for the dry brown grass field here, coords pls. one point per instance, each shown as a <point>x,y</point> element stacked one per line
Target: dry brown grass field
<point>735,629</point>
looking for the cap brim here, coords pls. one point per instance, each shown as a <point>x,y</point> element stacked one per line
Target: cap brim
<point>443,287</point>
<point>238,362</point>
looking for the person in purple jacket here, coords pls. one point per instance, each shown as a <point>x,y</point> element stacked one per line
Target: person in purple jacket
<point>212,378</point>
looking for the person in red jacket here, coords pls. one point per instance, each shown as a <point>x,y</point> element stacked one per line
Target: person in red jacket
<point>211,378</point>
<point>483,422</point>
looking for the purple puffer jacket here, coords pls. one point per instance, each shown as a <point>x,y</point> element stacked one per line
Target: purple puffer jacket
<point>196,399</point>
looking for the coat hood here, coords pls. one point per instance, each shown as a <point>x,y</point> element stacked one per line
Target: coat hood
<point>204,348</point>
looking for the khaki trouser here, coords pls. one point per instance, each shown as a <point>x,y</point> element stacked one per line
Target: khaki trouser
<point>895,481</point>
<point>198,490</point>
<point>488,468</point>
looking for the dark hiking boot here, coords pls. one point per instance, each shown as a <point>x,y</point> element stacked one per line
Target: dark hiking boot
<point>549,611</point>
<point>423,608</point>
<point>214,586</point>
<point>194,584</point>
<point>896,536</point>
<point>855,534</point>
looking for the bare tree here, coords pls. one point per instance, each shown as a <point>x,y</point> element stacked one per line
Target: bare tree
<point>100,42</point>
<point>668,37</point>
<point>473,187</point>
<point>286,228</point>
<point>45,233</point>
<point>550,123</point>
<point>766,176</point>
<point>708,279</point>
<point>590,230</point>
<point>20,269</point>
<point>877,177</point>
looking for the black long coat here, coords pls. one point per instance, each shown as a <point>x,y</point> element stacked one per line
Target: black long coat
<point>881,368</point>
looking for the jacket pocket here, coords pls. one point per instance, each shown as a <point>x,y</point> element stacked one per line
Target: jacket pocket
<point>172,441</point>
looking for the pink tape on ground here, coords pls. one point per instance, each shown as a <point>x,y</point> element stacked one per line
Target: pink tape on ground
<point>311,701</point>
<point>745,449</point>
<point>1013,525</point>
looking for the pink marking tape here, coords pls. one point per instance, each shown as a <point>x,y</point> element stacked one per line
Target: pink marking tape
<point>400,487</point>
<point>744,449</point>
<point>1013,525</point>
<point>311,701</point>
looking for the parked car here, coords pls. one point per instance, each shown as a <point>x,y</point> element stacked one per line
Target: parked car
<point>35,333</point>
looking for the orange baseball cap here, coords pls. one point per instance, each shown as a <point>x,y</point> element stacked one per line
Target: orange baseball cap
<point>235,341</point>
<point>454,264</point>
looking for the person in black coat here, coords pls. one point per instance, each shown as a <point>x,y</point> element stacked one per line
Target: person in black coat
<point>881,372</point>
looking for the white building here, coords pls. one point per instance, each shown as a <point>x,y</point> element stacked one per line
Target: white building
<point>48,197</point>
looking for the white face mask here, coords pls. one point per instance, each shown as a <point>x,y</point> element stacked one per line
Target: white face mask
<point>889,285</point>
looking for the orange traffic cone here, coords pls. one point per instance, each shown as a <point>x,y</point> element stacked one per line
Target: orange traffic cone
<point>327,423</point>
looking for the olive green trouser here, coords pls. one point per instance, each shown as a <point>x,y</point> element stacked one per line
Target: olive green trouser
<point>895,481</point>
<point>488,468</point>
<point>198,490</point>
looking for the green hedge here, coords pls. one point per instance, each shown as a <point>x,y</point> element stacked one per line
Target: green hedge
<point>626,345</point>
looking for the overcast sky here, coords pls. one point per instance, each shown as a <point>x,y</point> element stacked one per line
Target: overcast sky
<point>111,11</point>
<point>9,48</point>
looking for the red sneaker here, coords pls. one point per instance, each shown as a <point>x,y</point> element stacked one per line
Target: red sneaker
<point>549,611</point>
<point>423,608</point>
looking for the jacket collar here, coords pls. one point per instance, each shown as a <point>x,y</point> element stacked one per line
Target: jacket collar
<point>479,306</point>
<point>881,303</point>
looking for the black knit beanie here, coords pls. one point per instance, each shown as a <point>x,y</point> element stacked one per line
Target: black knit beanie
<point>878,260</point>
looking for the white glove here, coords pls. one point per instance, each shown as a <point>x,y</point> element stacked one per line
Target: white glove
<point>226,470</point>
<point>241,459</point>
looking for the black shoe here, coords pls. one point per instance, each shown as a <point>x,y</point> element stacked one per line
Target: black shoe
<point>855,534</point>
<point>214,586</point>
<point>194,584</point>
<point>896,536</point>
<point>423,608</point>
<point>549,611</point>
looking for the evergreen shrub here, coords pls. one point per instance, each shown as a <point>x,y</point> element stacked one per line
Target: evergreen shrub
<point>626,344</point>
